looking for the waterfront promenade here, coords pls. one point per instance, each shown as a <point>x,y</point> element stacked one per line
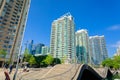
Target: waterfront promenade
<point>60,72</point>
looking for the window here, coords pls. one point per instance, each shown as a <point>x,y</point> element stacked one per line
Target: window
<point>17,4</point>
<point>6,41</point>
<point>7,37</point>
<point>16,22</point>
<point>3,13</point>
<point>8,10</point>
<point>1,17</point>
<point>13,15</point>
<point>14,31</point>
<point>13,19</point>
<point>9,6</point>
<point>4,46</point>
<point>9,46</point>
<point>7,13</point>
<point>5,20</point>
<point>4,23</point>
<point>1,27</point>
<point>16,19</point>
<point>12,22</point>
<point>18,16</point>
<point>7,1</point>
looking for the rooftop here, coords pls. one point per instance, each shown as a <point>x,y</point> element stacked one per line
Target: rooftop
<point>82,30</point>
<point>63,16</point>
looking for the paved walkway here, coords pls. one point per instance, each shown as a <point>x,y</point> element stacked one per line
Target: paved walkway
<point>32,74</point>
<point>54,72</point>
<point>2,75</point>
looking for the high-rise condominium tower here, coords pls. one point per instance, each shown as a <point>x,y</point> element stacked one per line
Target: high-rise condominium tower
<point>82,46</point>
<point>118,51</point>
<point>98,49</point>
<point>63,38</point>
<point>13,16</point>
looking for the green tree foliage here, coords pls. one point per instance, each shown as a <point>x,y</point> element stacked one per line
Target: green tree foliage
<point>56,61</point>
<point>112,62</point>
<point>2,53</point>
<point>117,76</point>
<point>32,60</point>
<point>40,61</point>
<point>27,56</point>
<point>48,61</point>
<point>116,62</point>
<point>108,62</point>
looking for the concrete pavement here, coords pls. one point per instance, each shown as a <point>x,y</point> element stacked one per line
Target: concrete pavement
<point>2,75</point>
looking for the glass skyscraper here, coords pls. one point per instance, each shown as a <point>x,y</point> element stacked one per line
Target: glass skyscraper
<point>98,49</point>
<point>38,48</point>
<point>13,16</point>
<point>62,43</point>
<point>82,46</point>
<point>30,46</point>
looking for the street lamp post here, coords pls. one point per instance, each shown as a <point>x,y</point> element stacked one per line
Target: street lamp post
<point>14,77</point>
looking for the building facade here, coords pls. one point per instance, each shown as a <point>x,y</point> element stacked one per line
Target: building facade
<point>45,50</point>
<point>13,16</point>
<point>98,49</point>
<point>38,48</point>
<point>30,46</point>
<point>62,43</point>
<point>118,52</point>
<point>82,46</point>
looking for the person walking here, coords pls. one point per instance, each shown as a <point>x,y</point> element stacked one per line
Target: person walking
<point>6,65</point>
<point>7,77</point>
<point>11,67</point>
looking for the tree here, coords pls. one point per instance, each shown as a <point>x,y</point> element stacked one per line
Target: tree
<point>116,62</point>
<point>32,61</point>
<point>112,62</point>
<point>2,53</point>
<point>56,61</point>
<point>108,62</point>
<point>27,56</point>
<point>48,60</point>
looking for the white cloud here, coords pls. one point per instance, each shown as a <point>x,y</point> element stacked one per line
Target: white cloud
<point>114,28</point>
<point>116,45</point>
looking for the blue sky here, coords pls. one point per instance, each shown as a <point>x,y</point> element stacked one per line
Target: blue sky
<point>99,17</point>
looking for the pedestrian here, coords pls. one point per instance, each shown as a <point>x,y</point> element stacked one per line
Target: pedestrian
<point>25,68</point>
<point>11,67</point>
<point>6,65</point>
<point>7,77</point>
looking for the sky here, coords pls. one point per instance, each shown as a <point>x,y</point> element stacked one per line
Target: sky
<point>99,17</point>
